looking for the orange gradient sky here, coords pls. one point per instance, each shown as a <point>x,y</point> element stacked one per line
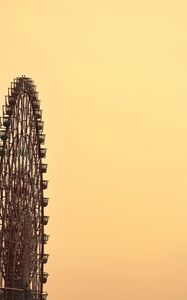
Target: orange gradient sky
<point>112,77</point>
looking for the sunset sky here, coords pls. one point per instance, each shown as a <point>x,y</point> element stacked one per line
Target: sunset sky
<point>112,78</point>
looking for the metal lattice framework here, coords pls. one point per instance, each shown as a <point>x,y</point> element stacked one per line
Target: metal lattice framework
<point>22,200</point>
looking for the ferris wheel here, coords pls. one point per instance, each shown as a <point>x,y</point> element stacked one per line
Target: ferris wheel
<point>22,195</point>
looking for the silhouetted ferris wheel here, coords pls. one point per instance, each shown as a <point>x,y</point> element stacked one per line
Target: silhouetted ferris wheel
<point>22,199</point>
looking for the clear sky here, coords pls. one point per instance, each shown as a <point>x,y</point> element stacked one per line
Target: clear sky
<point>112,77</point>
